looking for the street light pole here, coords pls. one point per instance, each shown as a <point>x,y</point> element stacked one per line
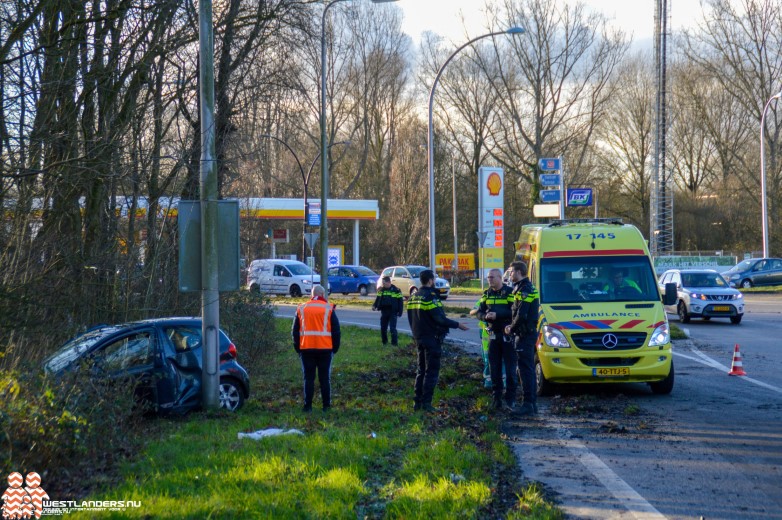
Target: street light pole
<point>763,207</point>
<point>430,137</point>
<point>324,160</point>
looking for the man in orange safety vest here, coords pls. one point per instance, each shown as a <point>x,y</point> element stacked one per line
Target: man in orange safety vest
<point>316,339</point>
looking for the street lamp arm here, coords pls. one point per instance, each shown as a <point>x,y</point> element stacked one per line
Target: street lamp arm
<point>298,163</point>
<point>430,137</point>
<point>451,57</point>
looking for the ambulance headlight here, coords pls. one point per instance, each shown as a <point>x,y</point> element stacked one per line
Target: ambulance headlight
<point>661,336</point>
<point>554,337</point>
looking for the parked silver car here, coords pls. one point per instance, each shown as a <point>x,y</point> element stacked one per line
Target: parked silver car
<point>703,293</point>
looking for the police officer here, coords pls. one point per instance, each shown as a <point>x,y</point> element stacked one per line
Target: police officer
<point>524,328</point>
<point>389,303</point>
<point>496,309</point>
<point>429,326</point>
<point>316,338</point>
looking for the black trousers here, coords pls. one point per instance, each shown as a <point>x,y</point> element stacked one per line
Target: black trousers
<point>320,361</point>
<point>502,352</point>
<point>388,320</point>
<point>525,351</point>
<point>429,353</point>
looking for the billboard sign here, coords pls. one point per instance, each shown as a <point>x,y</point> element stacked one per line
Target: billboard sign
<point>579,197</point>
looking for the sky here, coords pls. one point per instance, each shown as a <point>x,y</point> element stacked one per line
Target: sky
<point>633,16</point>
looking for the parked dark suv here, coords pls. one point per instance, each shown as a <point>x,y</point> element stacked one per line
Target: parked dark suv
<point>164,357</point>
<point>755,271</point>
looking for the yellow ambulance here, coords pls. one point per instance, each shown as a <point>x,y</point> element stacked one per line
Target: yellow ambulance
<point>601,313</point>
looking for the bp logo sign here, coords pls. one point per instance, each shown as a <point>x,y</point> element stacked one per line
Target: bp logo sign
<point>579,196</point>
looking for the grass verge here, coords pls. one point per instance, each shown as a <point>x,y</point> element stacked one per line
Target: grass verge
<point>370,456</point>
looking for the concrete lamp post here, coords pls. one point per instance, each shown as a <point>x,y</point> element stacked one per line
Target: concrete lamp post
<point>324,158</point>
<point>763,206</point>
<point>430,139</point>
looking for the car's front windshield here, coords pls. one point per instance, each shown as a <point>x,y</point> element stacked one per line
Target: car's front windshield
<point>75,348</point>
<point>299,269</point>
<point>700,280</point>
<point>597,278</point>
<point>746,265</point>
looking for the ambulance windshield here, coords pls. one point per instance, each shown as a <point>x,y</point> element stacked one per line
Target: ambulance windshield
<point>597,278</point>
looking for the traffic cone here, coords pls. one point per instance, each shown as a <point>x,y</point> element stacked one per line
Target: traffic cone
<point>736,369</point>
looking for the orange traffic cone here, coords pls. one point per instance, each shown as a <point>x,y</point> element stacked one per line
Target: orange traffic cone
<point>736,369</point>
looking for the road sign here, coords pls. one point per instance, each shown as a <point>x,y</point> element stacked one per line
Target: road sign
<point>549,195</point>
<point>313,217</point>
<point>311,238</point>
<point>550,164</point>
<point>550,179</point>
<point>579,196</point>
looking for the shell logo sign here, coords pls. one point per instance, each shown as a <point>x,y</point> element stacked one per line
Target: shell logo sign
<point>494,184</point>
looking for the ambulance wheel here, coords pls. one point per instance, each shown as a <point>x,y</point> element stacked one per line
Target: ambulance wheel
<point>544,386</point>
<point>681,310</point>
<point>665,386</point>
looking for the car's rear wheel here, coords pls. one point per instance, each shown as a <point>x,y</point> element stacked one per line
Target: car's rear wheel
<point>295,291</point>
<point>665,386</point>
<point>681,310</point>
<point>746,284</point>
<point>362,290</point>
<point>544,386</point>
<point>231,394</point>
<point>413,291</point>
<point>735,320</point>
<point>255,288</point>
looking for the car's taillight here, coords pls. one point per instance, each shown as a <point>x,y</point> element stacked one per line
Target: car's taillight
<point>232,350</point>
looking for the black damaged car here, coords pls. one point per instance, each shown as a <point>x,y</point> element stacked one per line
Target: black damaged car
<point>163,355</point>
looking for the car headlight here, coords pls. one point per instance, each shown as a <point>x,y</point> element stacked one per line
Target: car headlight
<point>697,296</point>
<point>554,337</point>
<point>735,276</point>
<point>660,336</point>
<point>306,282</point>
<point>738,296</point>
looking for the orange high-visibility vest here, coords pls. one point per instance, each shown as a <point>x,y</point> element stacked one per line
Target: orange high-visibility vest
<point>315,325</point>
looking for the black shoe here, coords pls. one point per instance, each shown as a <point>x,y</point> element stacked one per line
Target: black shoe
<point>428,408</point>
<point>326,407</point>
<point>306,408</point>
<point>510,406</point>
<point>417,407</point>
<point>497,405</point>
<point>394,344</point>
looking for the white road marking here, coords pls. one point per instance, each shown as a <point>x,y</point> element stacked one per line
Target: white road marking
<point>613,483</point>
<point>706,360</point>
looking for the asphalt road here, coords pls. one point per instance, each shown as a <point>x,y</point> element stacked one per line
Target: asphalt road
<point>712,449</point>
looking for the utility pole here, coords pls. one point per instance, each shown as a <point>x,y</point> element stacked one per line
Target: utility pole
<point>210,296</point>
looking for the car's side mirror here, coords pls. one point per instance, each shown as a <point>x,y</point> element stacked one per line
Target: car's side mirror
<point>671,294</point>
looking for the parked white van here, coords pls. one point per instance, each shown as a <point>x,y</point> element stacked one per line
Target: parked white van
<point>281,277</point>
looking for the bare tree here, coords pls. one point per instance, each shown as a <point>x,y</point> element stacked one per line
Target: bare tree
<point>739,46</point>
